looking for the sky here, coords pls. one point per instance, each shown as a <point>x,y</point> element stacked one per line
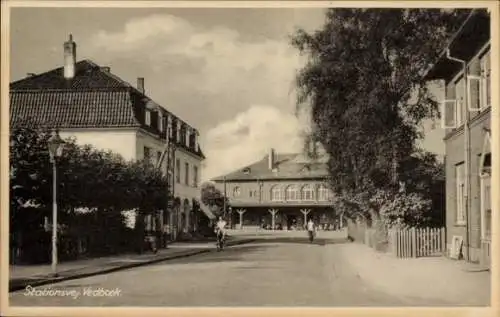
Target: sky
<point>227,72</point>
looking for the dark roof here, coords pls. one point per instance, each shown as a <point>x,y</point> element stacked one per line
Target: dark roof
<point>88,75</point>
<point>94,98</point>
<point>73,109</point>
<point>288,166</point>
<point>465,43</point>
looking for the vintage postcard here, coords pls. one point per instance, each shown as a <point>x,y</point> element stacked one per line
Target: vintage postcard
<point>193,158</point>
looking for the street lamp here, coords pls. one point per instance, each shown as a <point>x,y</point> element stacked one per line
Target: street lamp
<point>55,145</point>
<point>230,213</point>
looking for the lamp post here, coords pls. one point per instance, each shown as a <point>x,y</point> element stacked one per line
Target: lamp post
<point>55,145</point>
<point>230,213</point>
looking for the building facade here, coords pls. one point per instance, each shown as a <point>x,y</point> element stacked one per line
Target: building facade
<point>281,191</point>
<point>87,102</point>
<point>466,111</point>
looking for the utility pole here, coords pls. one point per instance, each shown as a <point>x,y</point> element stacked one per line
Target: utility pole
<point>169,151</point>
<point>225,195</point>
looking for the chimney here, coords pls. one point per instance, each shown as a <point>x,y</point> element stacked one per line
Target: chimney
<point>69,58</point>
<point>271,158</point>
<point>31,74</point>
<point>140,84</point>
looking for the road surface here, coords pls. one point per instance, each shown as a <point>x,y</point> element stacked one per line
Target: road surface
<point>264,273</point>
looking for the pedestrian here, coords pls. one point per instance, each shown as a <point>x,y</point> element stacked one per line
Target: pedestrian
<point>311,229</point>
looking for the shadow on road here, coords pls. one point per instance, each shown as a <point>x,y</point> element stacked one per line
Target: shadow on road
<point>229,254</point>
<point>298,240</point>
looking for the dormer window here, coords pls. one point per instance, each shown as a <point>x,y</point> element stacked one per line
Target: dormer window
<point>188,134</point>
<point>246,171</point>
<point>147,118</point>
<point>160,121</point>
<point>178,132</point>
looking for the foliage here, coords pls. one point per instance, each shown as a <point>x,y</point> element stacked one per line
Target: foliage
<point>365,88</point>
<point>98,181</point>
<point>364,84</point>
<point>213,197</point>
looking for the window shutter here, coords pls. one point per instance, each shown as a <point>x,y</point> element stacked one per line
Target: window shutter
<point>448,118</point>
<point>450,91</point>
<point>473,89</point>
<point>485,74</point>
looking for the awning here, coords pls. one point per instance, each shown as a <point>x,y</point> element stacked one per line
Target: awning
<point>206,210</point>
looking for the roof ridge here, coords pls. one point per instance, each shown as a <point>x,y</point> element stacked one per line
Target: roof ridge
<point>77,90</point>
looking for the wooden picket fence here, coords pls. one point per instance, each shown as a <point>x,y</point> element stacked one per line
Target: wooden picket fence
<point>417,242</point>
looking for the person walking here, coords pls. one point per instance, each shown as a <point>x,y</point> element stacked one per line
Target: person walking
<point>311,230</point>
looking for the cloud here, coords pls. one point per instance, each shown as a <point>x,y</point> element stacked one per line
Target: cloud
<point>214,78</point>
<point>203,75</point>
<point>248,136</point>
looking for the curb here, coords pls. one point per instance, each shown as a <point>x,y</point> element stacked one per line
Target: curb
<point>35,283</point>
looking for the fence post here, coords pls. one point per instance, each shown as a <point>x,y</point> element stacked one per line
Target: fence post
<point>413,243</point>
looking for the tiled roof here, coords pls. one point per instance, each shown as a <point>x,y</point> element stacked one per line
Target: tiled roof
<point>88,75</point>
<point>73,109</point>
<point>288,166</point>
<point>93,98</point>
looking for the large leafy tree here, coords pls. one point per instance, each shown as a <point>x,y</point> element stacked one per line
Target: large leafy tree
<point>364,85</point>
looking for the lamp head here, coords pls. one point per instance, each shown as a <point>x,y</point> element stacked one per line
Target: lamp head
<point>55,144</point>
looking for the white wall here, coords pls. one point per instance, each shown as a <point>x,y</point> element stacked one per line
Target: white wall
<point>120,141</point>
<point>182,189</point>
<point>130,143</point>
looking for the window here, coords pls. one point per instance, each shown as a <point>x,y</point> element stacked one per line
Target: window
<point>276,194</point>
<point>192,141</point>
<point>178,132</point>
<point>160,121</point>
<point>485,92</point>
<point>291,193</point>
<point>170,129</point>
<point>148,117</point>
<point>236,191</point>
<point>186,175</point>
<point>460,198</point>
<point>323,193</point>
<point>178,171</point>
<point>459,107</point>
<point>485,185</point>
<point>449,108</point>
<point>449,117</point>
<point>307,192</point>
<point>182,135</point>
<point>486,206</point>
<point>147,154</point>
<point>250,193</point>
<point>195,176</point>
<point>188,137</point>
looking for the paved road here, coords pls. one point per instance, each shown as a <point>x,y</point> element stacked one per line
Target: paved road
<point>265,273</point>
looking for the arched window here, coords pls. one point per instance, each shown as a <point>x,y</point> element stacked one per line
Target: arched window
<point>307,192</point>
<point>323,193</point>
<point>292,193</point>
<point>276,194</point>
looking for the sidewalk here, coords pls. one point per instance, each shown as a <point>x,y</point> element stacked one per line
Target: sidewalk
<point>35,275</point>
<point>437,278</point>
